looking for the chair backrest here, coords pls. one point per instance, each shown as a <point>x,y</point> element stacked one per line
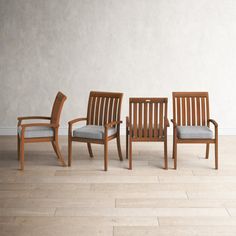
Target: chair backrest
<point>147,117</point>
<point>57,107</point>
<point>103,107</point>
<point>191,108</point>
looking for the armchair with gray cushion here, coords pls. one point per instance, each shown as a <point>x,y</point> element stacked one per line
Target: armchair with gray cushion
<point>191,122</point>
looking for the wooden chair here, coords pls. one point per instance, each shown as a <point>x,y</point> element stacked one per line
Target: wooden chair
<point>191,121</point>
<point>41,132</point>
<point>147,122</point>
<point>102,124</point>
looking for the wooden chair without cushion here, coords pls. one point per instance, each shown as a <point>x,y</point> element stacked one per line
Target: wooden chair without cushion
<point>41,132</point>
<point>102,124</point>
<point>191,121</point>
<point>147,122</point>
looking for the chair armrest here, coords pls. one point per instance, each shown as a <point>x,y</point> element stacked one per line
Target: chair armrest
<point>174,123</point>
<point>71,122</point>
<point>167,123</point>
<point>112,123</point>
<point>213,122</point>
<point>32,118</point>
<point>39,124</point>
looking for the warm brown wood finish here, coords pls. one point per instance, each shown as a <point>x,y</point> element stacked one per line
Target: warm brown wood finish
<point>192,109</point>
<point>54,123</point>
<point>104,109</point>
<point>147,122</point>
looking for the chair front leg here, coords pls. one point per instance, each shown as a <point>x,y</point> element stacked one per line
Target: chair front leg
<point>130,153</point>
<point>90,150</point>
<point>105,149</point>
<point>118,143</point>
<point>18,147</point>
<point>216,148</point>
<point>22,142</point>
<point>207,150</point>
<point>165,152</point>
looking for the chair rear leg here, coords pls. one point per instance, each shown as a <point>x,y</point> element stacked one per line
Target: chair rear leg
<point>130,154</point>
<point>105,155</point>
<point>207,150</point>
<point>58,152</point>
<point>216,154</point>
<point>90,150</point>
<point>175,155</point>
<point>55,149</point>
<point>119,147</point>
<point>69,150</point>
<point>165,155</point>
<point>127,143</point>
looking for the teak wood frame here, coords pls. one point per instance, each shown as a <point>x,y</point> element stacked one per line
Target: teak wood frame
<point>192,109</point>
<point>104,109</point>
<point>54,123</point>
<point>147,122</point>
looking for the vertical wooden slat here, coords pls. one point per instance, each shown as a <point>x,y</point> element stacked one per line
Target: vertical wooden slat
<point>193,110</point>
<point>140,128</point>
<point>135,119</point>
<point>178,112</point>
<point>183,112</point>
<point>161,120</point>
<point>188,111</point>
<point>150,119</point>
<point>89,110</point>
<point>101,111</point>
<point>145,119</point>
<point>207,110</point>
<point>106,110</point>
<point>130,117</point>
<point>97,106</point>
<point>203,111</point>
<point>110,110</point>
<point>155,119</point>
<point>115,109</point>
<point>93,111</point>
<point>198,111</point>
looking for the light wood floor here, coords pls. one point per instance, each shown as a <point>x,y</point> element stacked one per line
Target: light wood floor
<point>47,199</point>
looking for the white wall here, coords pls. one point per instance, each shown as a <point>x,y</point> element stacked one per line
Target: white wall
<point>140,47</point>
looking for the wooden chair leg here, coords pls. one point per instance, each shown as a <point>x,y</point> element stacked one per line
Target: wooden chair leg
<point>127,144</point>
<point>175,155</point>
<point>90,150</point>
<point>207,150</point>
<point>119,147</point>
<point>18,147</point>
<point>22,142</point>
<point>55,149</point>
<point>173,150</point>
<point>165,155</point>
<point>105,155</point>
<point>69,151</point>
<point>216,154</point>
<point>58,152</point>
<point>130,154</point>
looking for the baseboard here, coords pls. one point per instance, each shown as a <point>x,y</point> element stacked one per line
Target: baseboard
<point>8,131</point>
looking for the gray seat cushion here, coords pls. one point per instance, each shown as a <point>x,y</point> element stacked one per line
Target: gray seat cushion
<point>194,132</point>
<point>37,132</point>
<point>92,132</point>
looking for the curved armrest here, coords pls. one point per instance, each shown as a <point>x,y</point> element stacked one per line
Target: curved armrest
<point>112,123</point>
<point>32,118</point>
<point>174,123</point>
<point>167,123</point>
<point>213,122</point>
<point>71,122</point>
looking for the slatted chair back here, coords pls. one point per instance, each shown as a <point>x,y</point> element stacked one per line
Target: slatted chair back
<point>147,118</point>
<point>191,108</point>
<point>103,107</point>
<point>57,107</point>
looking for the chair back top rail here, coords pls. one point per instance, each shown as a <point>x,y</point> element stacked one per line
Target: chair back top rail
<point>147,117</point>
<point>191,108</point>
<point>103,107</point>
